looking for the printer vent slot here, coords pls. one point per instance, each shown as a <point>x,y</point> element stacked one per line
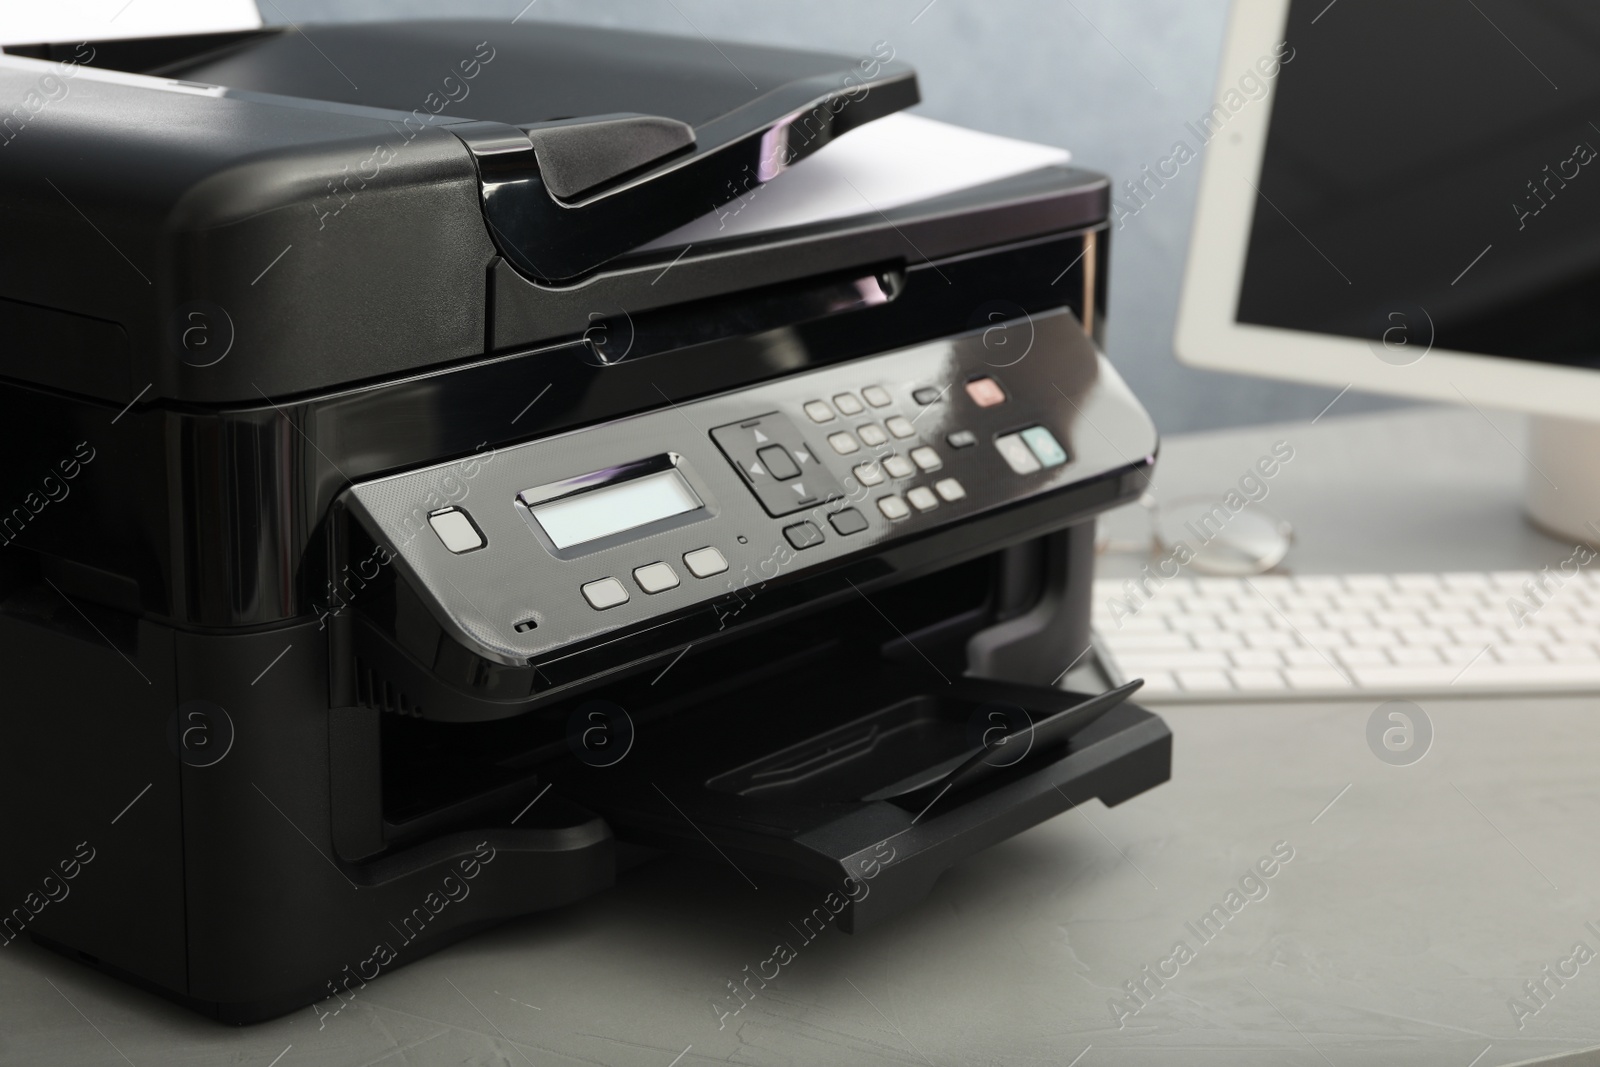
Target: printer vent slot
<point>377,692</point>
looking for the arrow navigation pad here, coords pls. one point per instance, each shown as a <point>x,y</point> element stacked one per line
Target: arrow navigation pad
<point>770,455</point>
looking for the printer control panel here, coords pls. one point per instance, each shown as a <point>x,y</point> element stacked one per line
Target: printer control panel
<point>699,505</point>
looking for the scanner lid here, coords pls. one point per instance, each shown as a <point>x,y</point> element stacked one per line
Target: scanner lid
<point>589,142</point>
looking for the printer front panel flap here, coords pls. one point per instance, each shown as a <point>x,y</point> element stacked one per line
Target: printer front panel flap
<point>700,507</point>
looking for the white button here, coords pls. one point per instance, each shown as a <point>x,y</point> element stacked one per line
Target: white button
<point>455,529</point>
<point>923,498</point>
<point>843,443</point>
<point>877,396</point>
<point>893,507</point>
<point>899,426</point>
<point>847,404</point>
<point>898,467</point>
<point>606,593</point>
<point>926,458</point>
<point>1017,453</point>
<point>872,434</point>
<point>819,411</point>
<point>704,562</point>
<point>950,489</point>
<point>656,578</point>
<point>869,474</point>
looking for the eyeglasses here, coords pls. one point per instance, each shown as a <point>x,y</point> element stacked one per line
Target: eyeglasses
<point>1202,533</point>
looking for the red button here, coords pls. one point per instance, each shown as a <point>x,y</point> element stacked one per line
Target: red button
<point>986,392</point>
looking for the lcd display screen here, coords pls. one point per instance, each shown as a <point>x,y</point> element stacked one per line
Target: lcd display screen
<point>612,509</point>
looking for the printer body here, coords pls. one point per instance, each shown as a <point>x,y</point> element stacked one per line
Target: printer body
<point>398,537</point>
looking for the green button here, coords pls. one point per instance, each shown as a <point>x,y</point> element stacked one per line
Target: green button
<point>1045,446</point>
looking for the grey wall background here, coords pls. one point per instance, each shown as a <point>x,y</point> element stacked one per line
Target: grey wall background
<point>1113,80</point>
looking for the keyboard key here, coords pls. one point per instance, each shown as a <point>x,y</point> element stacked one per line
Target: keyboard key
<point>1315,678</point>
<point>1270,639</point>
<point>847,404</point>
<point>868,474</point>
<point>1256,679</point>
<point>1204,681</point>
<point>1410,657</point>
<point>1354,657</point>
<point>950,489</point>
<point>1157,683</point>
<point>1139,640</point>
<point>872,435</point>
<point>922,498</point>
<point>877,396</point>
<point>899,425</point>
<point>1217,639</point>
<point>1165,660</point>
<point>1318,584</point>
<point>1256,657</point>
<point>1518,654</point>
<point>926,458</point>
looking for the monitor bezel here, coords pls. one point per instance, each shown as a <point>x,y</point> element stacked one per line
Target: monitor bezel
<point>1208,334</point>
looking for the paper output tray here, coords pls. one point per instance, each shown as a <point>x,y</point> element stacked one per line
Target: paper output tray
<point>838,780</point>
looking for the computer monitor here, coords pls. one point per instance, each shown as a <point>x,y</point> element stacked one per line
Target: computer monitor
<point>1403,196</point>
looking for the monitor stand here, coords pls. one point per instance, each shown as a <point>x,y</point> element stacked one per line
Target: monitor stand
<point>1563,491</point>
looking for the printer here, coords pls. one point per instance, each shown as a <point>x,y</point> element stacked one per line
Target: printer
<point>434,481</point>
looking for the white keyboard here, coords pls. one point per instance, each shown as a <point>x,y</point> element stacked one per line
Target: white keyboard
<point>1274,637</point>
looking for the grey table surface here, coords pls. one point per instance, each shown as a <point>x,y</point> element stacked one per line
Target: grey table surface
<point>1417,902</point>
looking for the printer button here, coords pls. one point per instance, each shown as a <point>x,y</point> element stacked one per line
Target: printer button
<point>778,462</point>
<point>926,458</point>
<point>898,467</point>
<point>877,396</point>
<point>848,404</point>
<point>803,534</point>
<point>704,562</point>
<point>1045,446</point>
<point>871,434</point>
<point>1017,453</point>
<point>923,498</point>
<point>961,439</point>
<point>818,411</point>
<point>457,530</point>
<point>893,507</point>
<point>899,426</point>
<point>656,577</point>
<point>927,395</point>
<point>950,489</point>
<point>986,392</point>
<point>843,443</point>
<point>869,474</point>
<point>849,521</point>
<point>606,593</point>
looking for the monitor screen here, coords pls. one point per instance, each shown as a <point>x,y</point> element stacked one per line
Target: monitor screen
<point>1434,166</point>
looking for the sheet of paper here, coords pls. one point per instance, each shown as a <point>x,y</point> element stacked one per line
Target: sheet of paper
<point>896,160</point>
<point>70,21</point>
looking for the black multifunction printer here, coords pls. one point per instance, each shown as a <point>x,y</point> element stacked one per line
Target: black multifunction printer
<point>397,537</point>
